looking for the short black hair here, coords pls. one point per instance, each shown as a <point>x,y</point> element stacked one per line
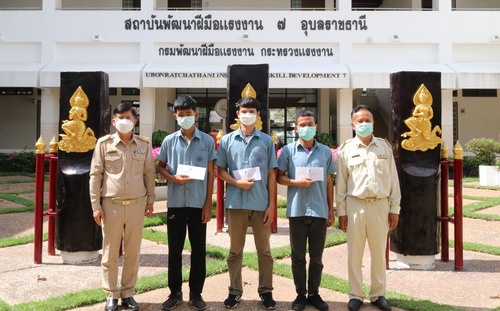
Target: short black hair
<point>360,107</point>
<point>305,113</point>
<point>124,107</point>
<point>248,102</point>
<point>184,102</point>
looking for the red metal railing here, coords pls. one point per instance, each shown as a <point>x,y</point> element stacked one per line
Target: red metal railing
<point>457,220</point>
<point>39,213</point>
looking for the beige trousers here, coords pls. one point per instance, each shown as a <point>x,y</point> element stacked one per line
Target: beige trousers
<point>238,222</point>
<point>127,222</point>
<point>367,221</point>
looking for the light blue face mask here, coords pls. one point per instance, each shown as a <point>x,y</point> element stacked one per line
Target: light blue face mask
<point>185,122</point>
<point>364,129</point>
<point>307,132</point>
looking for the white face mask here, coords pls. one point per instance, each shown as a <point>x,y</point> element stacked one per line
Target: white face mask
<point>247,118</point>
<point>124,126</point>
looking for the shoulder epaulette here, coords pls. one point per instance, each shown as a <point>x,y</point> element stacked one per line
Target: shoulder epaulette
<point>143,138</point>
<point>105,137</point>
<point>343,144</point>
<point>385,139</point>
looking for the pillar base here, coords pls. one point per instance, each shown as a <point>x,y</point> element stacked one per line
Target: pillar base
<point>427,262</point>
<point>76,258</point>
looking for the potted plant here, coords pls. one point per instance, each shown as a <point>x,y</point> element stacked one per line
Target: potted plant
<point>486,150</point>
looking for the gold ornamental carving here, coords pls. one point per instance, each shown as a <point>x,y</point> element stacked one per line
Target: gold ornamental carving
<point>248,91</point>
<point>421,135</point>
<point>78,137</point>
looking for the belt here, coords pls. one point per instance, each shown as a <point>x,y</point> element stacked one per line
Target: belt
<point>369,199</point>
<point>127,201</point>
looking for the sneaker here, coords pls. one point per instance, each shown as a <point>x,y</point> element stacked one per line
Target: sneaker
<point>172,301</point>
<point>316,301</point>
<point>299,303</point>
<point>197,302</point>
<point>268,301</point>
<point>232,301</point>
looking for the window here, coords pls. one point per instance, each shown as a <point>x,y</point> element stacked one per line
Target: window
<point>131,4</point>
<point>130,91</point>
<point>308,4</point>
<point>479,93</point>
<point>184,3</point>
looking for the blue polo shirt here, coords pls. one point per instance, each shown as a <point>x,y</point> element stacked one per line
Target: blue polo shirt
<point>311,201</point>
<point>199,152</point>
<point>236,153</point>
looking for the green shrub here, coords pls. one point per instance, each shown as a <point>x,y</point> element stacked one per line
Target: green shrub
<point>158,137</point>
<point>326,139</point>
<point>485,149</point>
<point>470,166</point>
<point>23,161</point>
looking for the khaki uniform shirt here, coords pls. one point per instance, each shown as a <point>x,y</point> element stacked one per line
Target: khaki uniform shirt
<point>120,171</point>
<point>367,172</point>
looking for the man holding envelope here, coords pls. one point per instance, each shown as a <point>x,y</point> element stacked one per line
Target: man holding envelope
<point>305,166</point>
<point>246,160</point>
<point>186,159</point>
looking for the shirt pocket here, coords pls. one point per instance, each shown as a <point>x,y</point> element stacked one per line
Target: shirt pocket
<point>357,167</point>
<point>258,157</point>
<point>380,164</point>
<point>138,163</point>
<point>199,158</point>
<point>113,163</point>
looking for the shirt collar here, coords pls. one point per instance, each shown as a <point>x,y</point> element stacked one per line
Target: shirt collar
<point>117,140</point>
<point>255,132</point>
<point>359,143</point>
<point>298,144</point>
<point>196,134</point>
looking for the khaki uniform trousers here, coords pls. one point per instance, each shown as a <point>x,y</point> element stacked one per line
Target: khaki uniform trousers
<point>238,222</point>
<point>367,221</point>
<point>121,221</point>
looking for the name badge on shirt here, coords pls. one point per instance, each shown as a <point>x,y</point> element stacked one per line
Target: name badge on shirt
<point>111,151</point>
<point>138,151</point>
<point>382,157</point>
<point>355,156</point>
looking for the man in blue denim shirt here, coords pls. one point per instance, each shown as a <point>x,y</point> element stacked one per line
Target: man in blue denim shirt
<point>246,161</point>
<point>186,159</point>
<point>306,167</point>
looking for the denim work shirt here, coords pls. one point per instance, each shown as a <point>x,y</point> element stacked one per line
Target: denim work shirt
<point>235,153</point>
<point>311,201</point>
<point>198,152</point>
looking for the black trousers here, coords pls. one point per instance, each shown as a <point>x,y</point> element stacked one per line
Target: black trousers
<point>180,219</point>
<point>307,230</point>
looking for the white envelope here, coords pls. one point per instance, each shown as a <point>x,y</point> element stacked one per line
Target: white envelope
<point>194,172</point>
<point>315,173</point>
<point>245,173</point>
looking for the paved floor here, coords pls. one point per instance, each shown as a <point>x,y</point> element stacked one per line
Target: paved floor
<point>476,288</point>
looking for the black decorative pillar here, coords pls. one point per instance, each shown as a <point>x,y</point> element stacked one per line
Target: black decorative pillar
<point>238,76</point>
<point>416,116</point>
<point>77,235</point>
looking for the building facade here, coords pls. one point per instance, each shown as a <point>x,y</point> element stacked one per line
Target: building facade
<point>323,55</point>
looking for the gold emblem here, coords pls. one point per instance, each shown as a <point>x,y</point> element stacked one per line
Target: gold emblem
<point>78,137</point>
<point>421,135</point>
<point>248,91</point>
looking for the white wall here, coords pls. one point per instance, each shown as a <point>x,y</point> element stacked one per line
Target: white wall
<point>477,119</point>
<point>478,4</point>
<point>18,123</point>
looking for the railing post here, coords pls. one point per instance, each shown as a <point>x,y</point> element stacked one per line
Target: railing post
<point>51,213</point>
<point>39,189</point>
<point>219,202</point>
<point>457,183</point>
<point>445,244</point>
<point>274,227</point>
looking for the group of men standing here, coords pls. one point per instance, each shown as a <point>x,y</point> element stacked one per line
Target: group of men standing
<point>122,193</point>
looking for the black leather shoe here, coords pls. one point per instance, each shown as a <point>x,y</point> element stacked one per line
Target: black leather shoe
<point>111,305</point>
<point>382,304</point>
<point>130,303</point>
<point>354,304</point>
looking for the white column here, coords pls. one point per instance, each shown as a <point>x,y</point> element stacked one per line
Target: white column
<point>344,5</point>
<point>51,5</point>
<point>447,118</point>
<point>344,108</point>
<point>147,112</point>
<point>440,5</point>
<point>49,115</point>
<point>329,5</point>
<point>147,5</point>
<point>323,115</point>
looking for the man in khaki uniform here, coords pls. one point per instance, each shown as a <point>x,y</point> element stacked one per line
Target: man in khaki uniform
<point>122,182</point>
<point>368,197</point>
